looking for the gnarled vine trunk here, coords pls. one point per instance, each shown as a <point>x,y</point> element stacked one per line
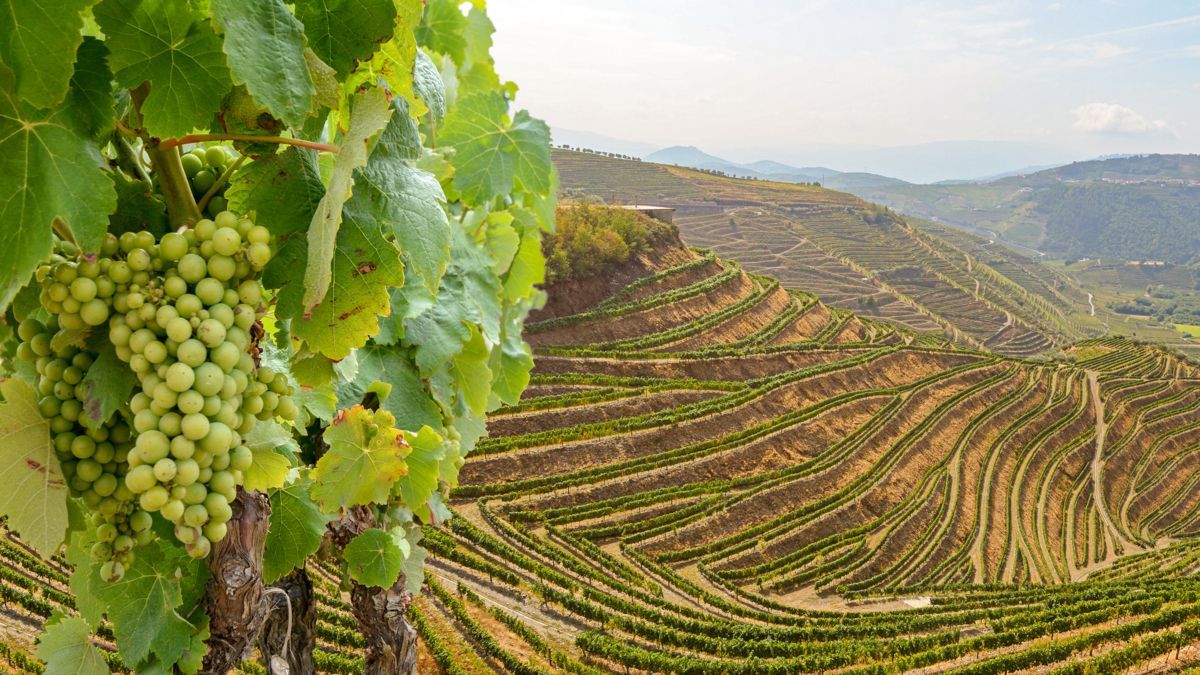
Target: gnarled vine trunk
<point>293,643</point>
<point>381,612</point>
<point>234,599</point>
<point>391,639</point>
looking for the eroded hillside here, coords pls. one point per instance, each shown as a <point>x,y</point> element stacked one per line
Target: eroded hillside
<point>853,255</point>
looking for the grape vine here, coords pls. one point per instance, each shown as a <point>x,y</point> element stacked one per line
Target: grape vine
<point>266,267</point>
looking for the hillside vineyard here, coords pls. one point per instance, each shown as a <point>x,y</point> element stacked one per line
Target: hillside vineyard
<point>712,474</point>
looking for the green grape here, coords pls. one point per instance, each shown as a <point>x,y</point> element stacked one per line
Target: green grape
<point>221,268</point>
<point>164,470</point>
<point>83,289</point>
<point>192,268</point>
<point>210,291</point>
<point>180,377</point>
<point>216,205</point>
<point>195,426</point>
<point>226,240</point>
<point>187,471</point>
<point>112,571</point>
<point>202,181</point>
<point>216,156</point>
<point>195,515</point>
<point>155,498</point>
<point>140,521</point>
<point>211,332</point>
<point>258,255</point>
<point>192,352</point>
<point>173,510</point>
<point>214,531</point>
<point>94,312</point>
<point>140,479</point>
<point>204,229</point>
<point>200,549</point>
<point>209,378</point>
<point>191,164</point>
<point>181,447</point>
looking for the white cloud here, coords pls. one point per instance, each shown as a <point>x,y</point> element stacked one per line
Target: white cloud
<point>1111,118</point>
<point>1192,50</point>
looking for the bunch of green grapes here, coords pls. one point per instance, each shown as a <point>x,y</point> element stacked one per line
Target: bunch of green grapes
<point>203,167</point>
<point>187,335</point>
<point>93,458</point>
<point>182,312</point>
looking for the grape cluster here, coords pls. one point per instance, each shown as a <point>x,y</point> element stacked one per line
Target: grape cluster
<point>182,313</point>
<point>93,459</point>
<point>203,167</point>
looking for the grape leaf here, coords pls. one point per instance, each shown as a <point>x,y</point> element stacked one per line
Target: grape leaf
<point>365,266</point>
<point>409,400</point>
<point>375,557</point>
<point>282,189</point>
<point>369,115</point>
<point>478,35</point>
<point>365,458</point>
<point>493,153</point>
<point>66,647</point>
<point>472,377</point>
<point>469,295</point>
<point>428,451</point>
<point>85,574</point>
<point>271,444</point>
<point>172,45</point>
<point>107,386</point>
<point>513,361</point>
<point>343,32</point>
<point>324,79</point>
<point>297,526</point>
<point>139,207</point>
<point>35,494</point>
<point>406,200</point>
<point>528,268</point>
<point>90,98</point>
<point>414,563</point>
<point>428,86</point>
<point>257,27</point>
<point>144,606</point>
<point>49,171</point>
<point>38,40</point>
<point>442,29</point>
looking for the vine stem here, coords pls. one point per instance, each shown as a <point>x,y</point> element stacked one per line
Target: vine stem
<point>224,178</point>
<point>280,140</point>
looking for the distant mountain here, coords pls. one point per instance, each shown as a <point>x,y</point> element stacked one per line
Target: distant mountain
<point>693,157</point>
<point>593,141</point>
<point>1143,207</point>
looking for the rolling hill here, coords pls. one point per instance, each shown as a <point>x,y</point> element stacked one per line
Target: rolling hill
<point>858,257</point>
<point>710,474</point>
<point>1134,208</point>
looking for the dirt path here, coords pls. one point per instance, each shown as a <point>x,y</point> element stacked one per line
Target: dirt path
<point>1098,469</point>
<point>1092,304</point>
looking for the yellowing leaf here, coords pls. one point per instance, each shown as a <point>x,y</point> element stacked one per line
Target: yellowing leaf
<point>365,459</point>
<point>35,494</point>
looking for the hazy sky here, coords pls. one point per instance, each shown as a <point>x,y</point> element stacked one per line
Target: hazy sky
<point>740,77</point>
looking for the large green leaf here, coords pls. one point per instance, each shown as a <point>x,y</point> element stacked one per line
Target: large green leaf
<point>406,201</point>
<point>375,558</point>
<point>283,190</point>
<point>364,267</point>
<point>344,32</point>
<point>270,443</point>
<point>170,44</point>
<point>38,39</point>
<point>428,451</point>
<point>408,398</point>
<point>34,497</point>
<point>265,45</point>
<point>90,100</point>
<point>145,605</point>
<point>107,386</point>
<point>442,27</point>
<point>492,153</point>
<point>365,459</point>
<point>49,170</point>
<point>297,526</point>
<point>66,647</point>
<point>369,115</point>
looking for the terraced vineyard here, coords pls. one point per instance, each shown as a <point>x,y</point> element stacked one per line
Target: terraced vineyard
<point>855,256</point>
<point>713,474</point>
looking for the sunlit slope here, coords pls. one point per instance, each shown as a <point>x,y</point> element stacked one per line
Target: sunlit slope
<point>853,255</point>
<point>709,475</point>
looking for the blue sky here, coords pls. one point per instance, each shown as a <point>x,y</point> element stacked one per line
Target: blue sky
<point>753,78</point>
